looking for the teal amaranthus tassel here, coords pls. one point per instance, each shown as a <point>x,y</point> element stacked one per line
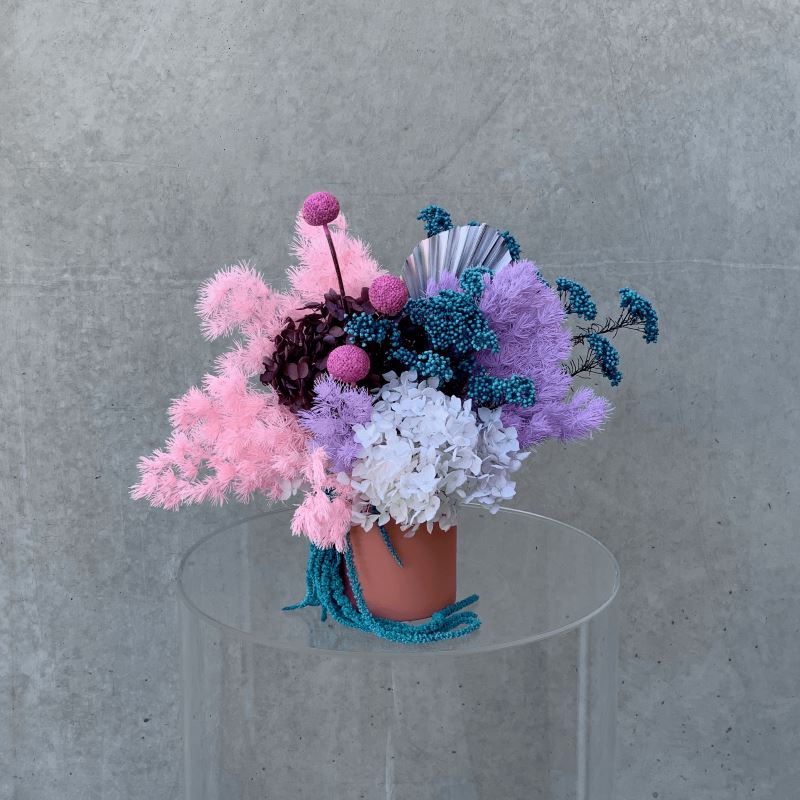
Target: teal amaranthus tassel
<point>389,546</point>
<point>325,588</point>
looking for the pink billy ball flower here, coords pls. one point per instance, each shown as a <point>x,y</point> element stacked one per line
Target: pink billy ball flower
<point>388,294</point>
<point>320,208</point>
<point>348,363</point>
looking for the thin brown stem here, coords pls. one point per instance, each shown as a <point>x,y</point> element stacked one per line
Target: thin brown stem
<point>335,263</point>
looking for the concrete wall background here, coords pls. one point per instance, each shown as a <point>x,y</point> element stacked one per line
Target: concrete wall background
<point>143,144</point>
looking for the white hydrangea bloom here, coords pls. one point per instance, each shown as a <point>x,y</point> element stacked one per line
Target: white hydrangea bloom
<point>425,451</point>
<point>500,456</point>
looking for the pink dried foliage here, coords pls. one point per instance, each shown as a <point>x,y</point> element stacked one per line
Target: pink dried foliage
<point>315,274</point>
<point>325,514</point>
<point>230,436</point>
<point>238,301</point>
<point>227,438</point>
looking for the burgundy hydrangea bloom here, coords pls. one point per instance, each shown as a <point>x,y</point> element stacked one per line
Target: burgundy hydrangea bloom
<point>302,348</point>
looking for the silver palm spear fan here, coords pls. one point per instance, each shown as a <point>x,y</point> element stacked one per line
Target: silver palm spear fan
<point>454,251</point>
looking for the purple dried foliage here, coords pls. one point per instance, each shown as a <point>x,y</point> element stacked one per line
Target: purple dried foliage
<point>330,420</point>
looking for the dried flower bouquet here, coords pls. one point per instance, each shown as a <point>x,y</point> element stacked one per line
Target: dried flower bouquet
<point>385,398</point>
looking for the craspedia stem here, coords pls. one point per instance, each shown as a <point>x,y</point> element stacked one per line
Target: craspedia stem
<point>318,210</point>
<point>335,262</point>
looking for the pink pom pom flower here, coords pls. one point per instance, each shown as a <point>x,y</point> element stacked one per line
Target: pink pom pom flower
<point>388,294</point>
<point>348,363</point>
<point>320,208</point>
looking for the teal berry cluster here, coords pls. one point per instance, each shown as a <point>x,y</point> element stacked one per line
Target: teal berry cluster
<point>365,329</point>
<point>606,356</point>
<point>637,313</point>
<point>641,310</point>
<point>438,337</point>
<point>436,220</point>
<point>467,329</point>
<point>515,251</point>
<point>579,301</point>
<point>489,391</point>
<point>452,321</point>
<point>428,364</point>
<point>472,281</point>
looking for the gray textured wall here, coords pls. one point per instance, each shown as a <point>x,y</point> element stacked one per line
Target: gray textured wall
<point>145,143</point>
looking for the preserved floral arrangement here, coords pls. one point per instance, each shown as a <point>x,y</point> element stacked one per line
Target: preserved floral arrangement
<point>388,401</point>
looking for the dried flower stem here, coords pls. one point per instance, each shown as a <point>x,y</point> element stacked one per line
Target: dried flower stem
<point>587,364</point>
<point>624,320</point>
<point>335,262</point>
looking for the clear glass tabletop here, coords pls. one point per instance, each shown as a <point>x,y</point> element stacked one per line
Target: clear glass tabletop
<point>536,578</point>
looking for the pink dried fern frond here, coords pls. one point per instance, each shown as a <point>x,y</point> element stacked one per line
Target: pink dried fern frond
<point>230,436</point>
<point>234,296</point>
<point>237,300</point>
<point>228,439</point>
<point>325,515</point>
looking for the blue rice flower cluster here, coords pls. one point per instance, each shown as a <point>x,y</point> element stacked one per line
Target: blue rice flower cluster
<point>452,320</point>
<point>427,364</point>
<point>580,301</point>
<point>607,357</point>
<point>489,391</point>
<point>436,220</point>
<point>366,329</point>
<point>641,310</point>
<point>471,281</point>
<point>511,243</point>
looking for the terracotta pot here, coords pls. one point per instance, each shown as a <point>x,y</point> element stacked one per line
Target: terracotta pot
<point>424,584</point>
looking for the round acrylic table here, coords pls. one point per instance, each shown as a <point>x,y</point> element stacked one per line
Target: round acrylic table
<point>281,705</point>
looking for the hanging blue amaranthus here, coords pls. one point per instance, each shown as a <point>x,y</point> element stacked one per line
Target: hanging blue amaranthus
<point>325,588</point>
